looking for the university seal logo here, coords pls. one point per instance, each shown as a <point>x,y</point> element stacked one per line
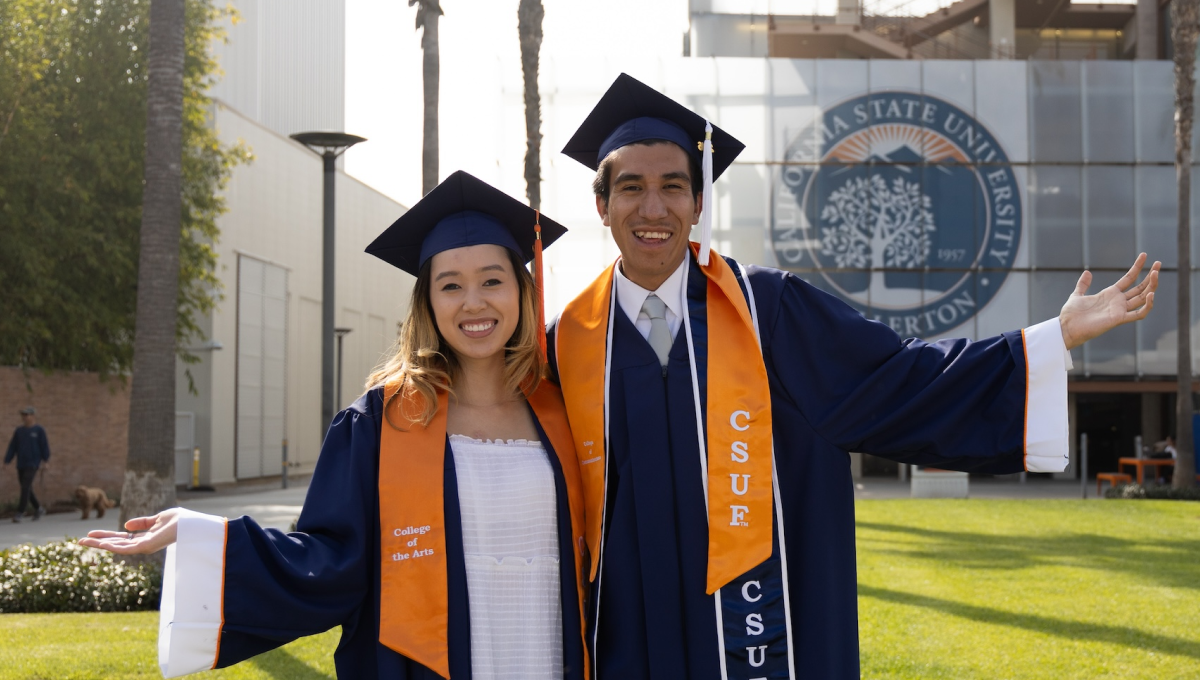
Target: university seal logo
<point>901,204</point>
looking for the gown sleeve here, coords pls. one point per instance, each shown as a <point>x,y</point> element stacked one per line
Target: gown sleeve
<point>997,405</point>
<point>233,589</point>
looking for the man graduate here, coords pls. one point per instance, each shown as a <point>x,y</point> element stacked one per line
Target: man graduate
<point>713,405</point>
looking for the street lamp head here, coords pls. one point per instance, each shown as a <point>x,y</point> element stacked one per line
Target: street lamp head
<point>342,331</point>
<point>323,143</point>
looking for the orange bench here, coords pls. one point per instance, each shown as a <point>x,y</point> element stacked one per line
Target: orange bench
<point>1113,478</point>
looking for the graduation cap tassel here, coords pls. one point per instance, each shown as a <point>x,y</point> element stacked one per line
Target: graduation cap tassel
<point>706,216</point>
<point>539,281</point>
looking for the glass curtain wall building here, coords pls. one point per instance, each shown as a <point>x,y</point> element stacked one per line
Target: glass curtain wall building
<point>950,176</point>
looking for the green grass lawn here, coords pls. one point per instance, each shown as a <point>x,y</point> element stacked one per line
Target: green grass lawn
<point>123,647</point>
<point>1029,589</point>
<point>947,589</point>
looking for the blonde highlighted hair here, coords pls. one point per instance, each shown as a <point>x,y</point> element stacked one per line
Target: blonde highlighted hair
<point>421,362</point>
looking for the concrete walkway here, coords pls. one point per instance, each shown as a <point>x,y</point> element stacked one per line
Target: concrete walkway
<point>275,507</point>
<point>269,506</point>
<point>1008,486</point>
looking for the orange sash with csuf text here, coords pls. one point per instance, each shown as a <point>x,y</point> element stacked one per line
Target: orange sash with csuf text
<point>739,455</point>
<point>414,609</point>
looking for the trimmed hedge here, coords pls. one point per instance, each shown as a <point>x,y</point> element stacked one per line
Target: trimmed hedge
<point>1154,492</point>
<point>66,577</point>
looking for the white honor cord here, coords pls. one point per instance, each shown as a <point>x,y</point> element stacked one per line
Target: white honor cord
<point>608,345</point>
<point>706,216</point>
<point>703,446</point>
<point>783,564</point>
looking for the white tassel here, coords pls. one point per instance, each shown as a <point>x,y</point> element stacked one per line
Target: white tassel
<point>706,219</point>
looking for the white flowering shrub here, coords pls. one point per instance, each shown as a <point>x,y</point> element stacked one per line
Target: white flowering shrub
<point>1153,492</point>
<point>66,577</point>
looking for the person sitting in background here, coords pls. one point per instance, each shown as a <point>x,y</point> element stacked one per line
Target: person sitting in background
<point>1164,448</point>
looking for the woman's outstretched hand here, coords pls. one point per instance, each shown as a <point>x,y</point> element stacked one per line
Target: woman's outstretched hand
<point>145,535</point>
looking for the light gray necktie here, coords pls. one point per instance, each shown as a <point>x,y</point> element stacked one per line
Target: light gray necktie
<point>660,332</point>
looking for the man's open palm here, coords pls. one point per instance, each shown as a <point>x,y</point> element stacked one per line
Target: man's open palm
<point>1084,316</point>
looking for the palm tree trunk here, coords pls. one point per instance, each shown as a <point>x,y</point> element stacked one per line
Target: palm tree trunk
<point>150,469</point>
<point>529,26</point>
<point>1184,30</point>
<point>428,12</point>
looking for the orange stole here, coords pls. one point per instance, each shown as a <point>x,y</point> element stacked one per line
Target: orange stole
<point>414,609</point>
<point>739,419</point>
<point>583,331</point>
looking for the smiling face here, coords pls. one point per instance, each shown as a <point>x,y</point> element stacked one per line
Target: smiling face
<point>651,209</point>
<point>475,296</point>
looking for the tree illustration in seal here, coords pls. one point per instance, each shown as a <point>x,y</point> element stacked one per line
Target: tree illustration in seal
<point>866,223</point>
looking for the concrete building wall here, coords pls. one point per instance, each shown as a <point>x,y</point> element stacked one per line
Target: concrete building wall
<point>725,35</point>
<point>285,64</point>
<point>275,208</point>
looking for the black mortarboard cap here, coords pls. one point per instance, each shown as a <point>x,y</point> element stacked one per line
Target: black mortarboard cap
<point>462,211</point>
<point>631,111</point>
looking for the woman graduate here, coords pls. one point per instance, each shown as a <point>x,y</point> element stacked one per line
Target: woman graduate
<point>443,524</point>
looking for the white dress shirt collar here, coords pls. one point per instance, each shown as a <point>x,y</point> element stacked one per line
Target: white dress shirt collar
<point>631,297</point>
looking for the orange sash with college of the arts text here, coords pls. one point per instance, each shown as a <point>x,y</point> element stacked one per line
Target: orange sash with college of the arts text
<point>739,456</point>
<point>414,609</point>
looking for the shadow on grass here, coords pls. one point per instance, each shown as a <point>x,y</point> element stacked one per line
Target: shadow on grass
<point>279,663</point>
<point>1170,562</point>
<point>1074,630</point>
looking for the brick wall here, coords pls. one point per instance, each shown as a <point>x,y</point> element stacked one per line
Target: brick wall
<point>86,423</point>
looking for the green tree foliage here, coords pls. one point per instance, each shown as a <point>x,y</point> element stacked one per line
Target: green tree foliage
<point>72,130</point>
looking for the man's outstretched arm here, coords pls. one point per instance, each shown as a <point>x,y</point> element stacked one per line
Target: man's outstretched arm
<point>1084,317</point>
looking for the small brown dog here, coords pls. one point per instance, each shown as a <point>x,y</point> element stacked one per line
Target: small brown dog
<point>90,497</point>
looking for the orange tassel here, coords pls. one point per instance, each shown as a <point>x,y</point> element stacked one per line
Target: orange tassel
<point>539,281</point>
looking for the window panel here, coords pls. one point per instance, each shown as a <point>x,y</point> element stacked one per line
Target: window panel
<point>1154,109</point>
<point>1054,111</point>
<point>1157,334</point>
<point>1056,206</point>
<point>1108,111</point>
<point>1157,216</point>
<point>1110,229</point>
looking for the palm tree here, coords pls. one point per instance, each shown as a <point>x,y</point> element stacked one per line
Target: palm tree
<point>529,26</point>
<point>1184,29</point>
<point>150,469</point>
<point>428,12</point>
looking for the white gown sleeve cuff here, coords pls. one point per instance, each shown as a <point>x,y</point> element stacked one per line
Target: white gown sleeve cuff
<point>191,613</point>
<point>1047,432</point>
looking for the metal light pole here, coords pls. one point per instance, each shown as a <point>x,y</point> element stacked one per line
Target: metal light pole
<point>327,145</point>
<point>1083,456</point>
<point>341,333</point>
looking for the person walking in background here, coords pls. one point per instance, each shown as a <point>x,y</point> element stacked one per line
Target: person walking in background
<point>30,447</point>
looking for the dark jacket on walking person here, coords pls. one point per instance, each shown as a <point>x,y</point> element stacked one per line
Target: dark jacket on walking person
<point>31,448</point>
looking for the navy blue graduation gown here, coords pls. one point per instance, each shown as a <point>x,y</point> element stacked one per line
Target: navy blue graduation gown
<point>282,586</point>
<point>838,383</point>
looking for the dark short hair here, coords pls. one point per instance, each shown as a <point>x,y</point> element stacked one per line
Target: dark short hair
<point>602,184</point>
